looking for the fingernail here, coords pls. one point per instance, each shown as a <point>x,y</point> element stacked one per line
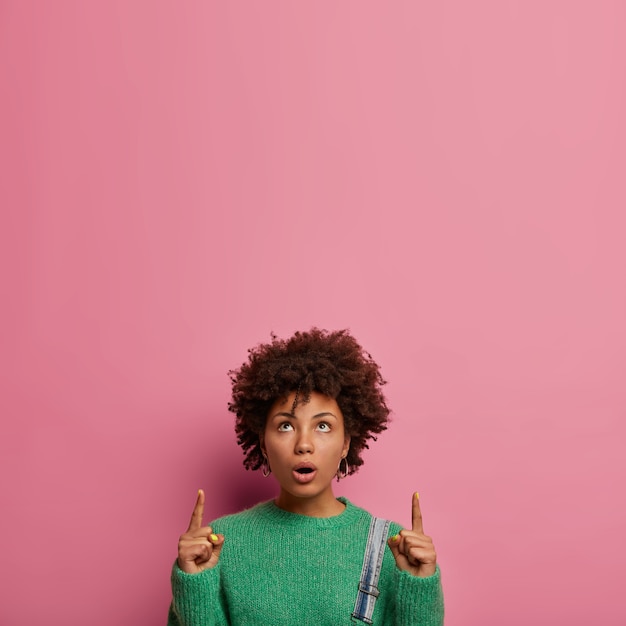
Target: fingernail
<point>395,538</point>
<point>214,538</point>
<point>417,496</point>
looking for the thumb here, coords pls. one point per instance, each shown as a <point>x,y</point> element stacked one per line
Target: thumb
<point>218,543</point>
<point>394,546</point>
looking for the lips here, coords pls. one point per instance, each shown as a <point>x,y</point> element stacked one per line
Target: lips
<point>304,472</point>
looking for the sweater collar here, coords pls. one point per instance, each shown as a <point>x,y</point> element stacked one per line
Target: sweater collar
<point>296,520</point>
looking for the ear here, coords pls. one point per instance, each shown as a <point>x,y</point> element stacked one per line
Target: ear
<point>262,443</point>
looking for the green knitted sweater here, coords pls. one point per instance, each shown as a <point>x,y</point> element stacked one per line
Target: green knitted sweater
<point>279,568</point>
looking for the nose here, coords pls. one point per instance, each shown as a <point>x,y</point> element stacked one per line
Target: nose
<point>304,443</point>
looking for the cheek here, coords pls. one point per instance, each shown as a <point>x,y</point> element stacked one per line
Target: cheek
<point>274,443</point>
<point>337,444</point>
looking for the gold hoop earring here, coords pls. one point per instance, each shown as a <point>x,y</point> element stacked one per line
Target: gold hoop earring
<point>266,470</point>
<point>343,472</point>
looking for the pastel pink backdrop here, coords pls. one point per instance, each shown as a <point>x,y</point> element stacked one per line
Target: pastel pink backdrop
<point>447,180</point>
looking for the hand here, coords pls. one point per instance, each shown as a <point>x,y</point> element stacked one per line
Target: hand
<point>413,550</point>
<point>199,548</point>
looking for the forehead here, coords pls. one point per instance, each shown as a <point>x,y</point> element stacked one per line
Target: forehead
<point>316,403</point>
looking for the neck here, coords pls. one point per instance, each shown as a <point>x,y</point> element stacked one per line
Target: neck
<point>324,505</point>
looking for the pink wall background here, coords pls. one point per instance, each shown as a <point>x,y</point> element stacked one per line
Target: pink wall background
<point>445,179</point>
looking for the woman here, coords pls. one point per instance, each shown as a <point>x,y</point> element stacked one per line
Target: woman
<point>305,409</point>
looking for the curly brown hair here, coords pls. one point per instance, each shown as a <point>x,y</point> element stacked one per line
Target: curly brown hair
<point>330,363</point>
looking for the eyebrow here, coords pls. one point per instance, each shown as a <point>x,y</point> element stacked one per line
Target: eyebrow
<point>292,416</point>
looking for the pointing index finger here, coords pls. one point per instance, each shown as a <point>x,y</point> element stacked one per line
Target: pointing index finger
<point>416,515</point>
<point>198,512</point>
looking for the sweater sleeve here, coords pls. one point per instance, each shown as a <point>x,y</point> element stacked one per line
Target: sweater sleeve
<point>197,599</point>
<point>419,601</point>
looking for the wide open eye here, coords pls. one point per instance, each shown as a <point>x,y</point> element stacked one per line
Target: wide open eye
<point>324,427</point>
<point>284,427</point>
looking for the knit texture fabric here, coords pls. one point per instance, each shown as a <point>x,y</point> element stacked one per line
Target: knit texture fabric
<point>284,569</point>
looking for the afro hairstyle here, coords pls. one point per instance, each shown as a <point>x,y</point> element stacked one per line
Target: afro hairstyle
<point>330,363</point>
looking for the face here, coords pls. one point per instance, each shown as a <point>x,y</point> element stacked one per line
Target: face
<point>304,447</point>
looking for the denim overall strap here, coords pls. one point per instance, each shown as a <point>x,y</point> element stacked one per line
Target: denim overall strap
<point>372,562</point>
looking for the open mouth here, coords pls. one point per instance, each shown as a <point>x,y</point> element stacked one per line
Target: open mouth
<point>304,472</point>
